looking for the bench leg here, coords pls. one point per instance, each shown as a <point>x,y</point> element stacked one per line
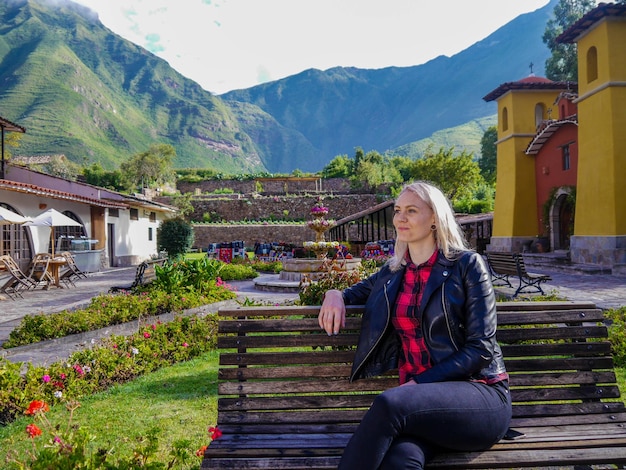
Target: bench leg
<point>504,278</point>
<point>525,284</point>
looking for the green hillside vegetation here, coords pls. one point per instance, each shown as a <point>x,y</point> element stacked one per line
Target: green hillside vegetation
<point>82,91</point>
<point>464,137</point>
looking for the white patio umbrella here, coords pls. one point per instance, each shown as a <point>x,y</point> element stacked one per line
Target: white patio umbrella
<point>52,218</point>
<point>8,217</point>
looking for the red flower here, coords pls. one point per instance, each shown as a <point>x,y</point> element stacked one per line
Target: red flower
<point>200,451</point>
<point>37,406</point>
<point>33,430</point>
<point>215,432</point>
<point>146,334</point>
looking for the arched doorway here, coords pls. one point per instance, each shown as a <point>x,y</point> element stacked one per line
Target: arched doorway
<point>562,219</point>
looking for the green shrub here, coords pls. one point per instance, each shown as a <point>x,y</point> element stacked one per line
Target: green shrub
<point>175,236</point>
<point>617,334</point>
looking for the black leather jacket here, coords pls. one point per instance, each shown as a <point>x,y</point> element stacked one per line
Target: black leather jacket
<point>457,315</point>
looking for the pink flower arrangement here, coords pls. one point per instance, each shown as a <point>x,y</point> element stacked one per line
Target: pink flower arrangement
<point>319,210</point>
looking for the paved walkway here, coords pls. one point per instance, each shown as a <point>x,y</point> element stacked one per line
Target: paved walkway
<point>604,290</point>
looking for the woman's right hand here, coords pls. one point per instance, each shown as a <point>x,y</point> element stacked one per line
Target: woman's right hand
<point>332,314</point>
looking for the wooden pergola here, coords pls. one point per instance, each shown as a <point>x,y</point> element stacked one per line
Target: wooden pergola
<point>7,126</point>
<point>376,224</point>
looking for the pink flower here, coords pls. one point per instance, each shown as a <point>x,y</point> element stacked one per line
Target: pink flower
<point>146,334</point>
<point>79,370</point>
<point>185,345</point>
<point>63,376</point>
<point>46,378</point>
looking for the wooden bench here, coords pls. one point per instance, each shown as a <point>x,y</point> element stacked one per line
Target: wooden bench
<point>504,265</point>
<point>284,400</point>
<point>145,274</point>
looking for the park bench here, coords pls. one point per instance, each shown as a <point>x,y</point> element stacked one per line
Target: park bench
<point>285,402</point>
<point>505,265</point>
<point>145,274</point>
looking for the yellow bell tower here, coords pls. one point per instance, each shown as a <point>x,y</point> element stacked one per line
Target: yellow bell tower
<point>600,222</point>
<point>522,107</point>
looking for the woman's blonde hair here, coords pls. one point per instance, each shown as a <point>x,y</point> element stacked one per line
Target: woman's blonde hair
<point>448,234</point>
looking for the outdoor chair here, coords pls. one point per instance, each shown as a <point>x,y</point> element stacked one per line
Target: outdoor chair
<point>17,280</point>
<point>72,272</point>
<point>39,272</point>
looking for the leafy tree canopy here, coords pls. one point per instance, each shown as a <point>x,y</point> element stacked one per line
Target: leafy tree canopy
<point>150,168</point>
<point>488,151</point>
<point>458,176</point>
<point>563,64</point>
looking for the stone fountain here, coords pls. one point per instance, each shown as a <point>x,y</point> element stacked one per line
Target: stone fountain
<point>295,269</point>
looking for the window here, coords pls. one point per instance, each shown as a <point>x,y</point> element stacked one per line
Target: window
<point>566,157</point>
<point>134,214</point>
<point>15,239</point>
<point>62,235</point>
<point>592,64</point>
<point>152,216</point>
<point>539,113</point>
<point>149,233</point>
<point>505,119</point>
<point>114,212</point>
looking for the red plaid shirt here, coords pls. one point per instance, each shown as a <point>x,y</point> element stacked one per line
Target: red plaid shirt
<point>415,357</point>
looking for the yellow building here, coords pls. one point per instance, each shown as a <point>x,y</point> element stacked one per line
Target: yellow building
<point>600,223</point>
<point>599,236</point>
<point>522,108</point>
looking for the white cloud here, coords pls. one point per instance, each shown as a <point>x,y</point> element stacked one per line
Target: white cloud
<point>228,44</point>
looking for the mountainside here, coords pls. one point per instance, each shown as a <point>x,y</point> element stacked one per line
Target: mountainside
<point>343,108</point>
<point>81,90</point>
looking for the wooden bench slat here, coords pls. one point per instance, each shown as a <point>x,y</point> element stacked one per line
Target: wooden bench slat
<point>296,402</point>
<point>291,357</point>
<point>562,378</point>
<point>285,341</point>
<point>302,386</point>
<point>304,417</point>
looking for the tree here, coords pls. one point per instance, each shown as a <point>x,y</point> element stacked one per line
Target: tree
<point>339,167</point>
<point>488,155</point>
<point>563,64</point>
<point>98,176</point>
<point>175,236</point>
<point>372,170</point>
<point>457,176</point>
<point>150,168</point>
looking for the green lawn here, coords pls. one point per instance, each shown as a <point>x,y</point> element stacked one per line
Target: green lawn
<point>180,401</point>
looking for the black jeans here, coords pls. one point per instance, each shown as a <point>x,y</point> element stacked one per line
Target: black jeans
<point>406,426</point>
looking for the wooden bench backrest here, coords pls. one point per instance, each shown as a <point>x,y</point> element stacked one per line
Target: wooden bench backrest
<point>503,263</point>
<point>280,375</point>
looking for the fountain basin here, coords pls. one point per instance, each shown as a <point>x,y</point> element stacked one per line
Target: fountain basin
<point>295,268</point>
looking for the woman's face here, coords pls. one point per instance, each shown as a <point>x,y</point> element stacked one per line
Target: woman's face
<point>413,219</point>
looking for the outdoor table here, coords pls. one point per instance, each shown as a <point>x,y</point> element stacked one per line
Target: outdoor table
<point>54,265</point>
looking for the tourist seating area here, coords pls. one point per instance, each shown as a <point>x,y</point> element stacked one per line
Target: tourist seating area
<point>504,266</point>
<point>285,401</point>
<point>226,251</point>
<point>43,271</point>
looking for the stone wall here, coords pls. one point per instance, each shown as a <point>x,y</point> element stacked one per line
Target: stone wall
<point>260,208</point>
<point>268,187</point>
<point>205,234</point>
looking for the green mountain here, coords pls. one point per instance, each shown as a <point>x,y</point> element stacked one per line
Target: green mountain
<point>81,90</point>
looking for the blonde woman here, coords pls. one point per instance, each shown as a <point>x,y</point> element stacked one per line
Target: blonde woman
<point>431,313</point>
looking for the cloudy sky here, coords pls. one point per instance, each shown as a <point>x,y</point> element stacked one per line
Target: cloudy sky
<point>230,44</point>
